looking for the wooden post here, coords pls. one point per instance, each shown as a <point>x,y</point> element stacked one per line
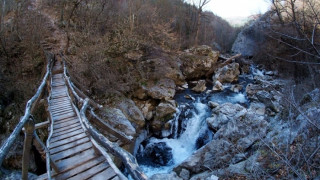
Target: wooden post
<point>29,128</point>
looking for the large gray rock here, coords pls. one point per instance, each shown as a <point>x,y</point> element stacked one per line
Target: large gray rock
<point>118,120</point>
<point>164,112</point>
<point>132,112</point>
<point>163,67</point>
<point>147,108</point>
<point>228,73</point>
<point>215,154</point>
<point>200,86</point>
<point>196,62</point>
<point>217,86</point>
<point>164,89</point>
<point>236,130</point>
<point>224,114</point>
<point>169,176</point>
<point>243,132</point>
<point>205,176</point>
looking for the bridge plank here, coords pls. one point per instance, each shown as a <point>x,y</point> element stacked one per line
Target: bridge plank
<point>68,140</point>
<point>64,120</point>
<point>64,116</point>
<point>66,131</point>
<point>59,94</point>
<point>80,168</point>
<point>61,102</point>
<point>59,107</point>
<point>69,145</point>
<point>74,161</point>
<point>57,126</point>
<point>71,152</point>
<point>90,172</point>
<point>106,174</point>
<point>62,111</point>
<point>67,127</point>
<point>70,134</point>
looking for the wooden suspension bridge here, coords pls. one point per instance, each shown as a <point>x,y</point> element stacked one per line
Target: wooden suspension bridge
<point>74,148</point>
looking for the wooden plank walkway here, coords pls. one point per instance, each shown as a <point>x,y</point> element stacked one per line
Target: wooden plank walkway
<point>70,148</point>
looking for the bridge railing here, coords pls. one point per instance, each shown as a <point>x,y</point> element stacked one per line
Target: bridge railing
<point>27,122</point>
<point>83,103</point>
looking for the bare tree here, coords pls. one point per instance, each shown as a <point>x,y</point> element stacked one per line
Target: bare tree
<point>200,5</point>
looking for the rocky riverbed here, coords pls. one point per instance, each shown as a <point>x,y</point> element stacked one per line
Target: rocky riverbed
<point>242,113</point>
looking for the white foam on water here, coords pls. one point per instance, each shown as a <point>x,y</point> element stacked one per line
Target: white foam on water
<point>239,98</point>
<point>185,145</point>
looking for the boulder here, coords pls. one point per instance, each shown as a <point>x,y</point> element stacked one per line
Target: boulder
<point>269,100</point>
<point>164,89</point>
<point>164,112</point>
<point>227,74</point>
<point>141,94</point>
<point>205,176</point>
<point>200,86</point>
<point>203,50</point>
<point>217,86</point>
<point>158,153</point>
<point>215,154</point>
<point>196,62</point>
<point>236,130</point>
<point>257,108</point>
<point>236,88</point>
<point>213,105</point>
<point>224,114</point>
<point>164,67</point>
<point>118,120</point>
<point>132,112</point>
<point>184,174</point>
<point>171,176</point>
<point>243,132</point>
<point>252,89</point>
<point>147,108</point>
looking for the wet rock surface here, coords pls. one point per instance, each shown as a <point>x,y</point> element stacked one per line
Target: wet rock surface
<point>158,153</point>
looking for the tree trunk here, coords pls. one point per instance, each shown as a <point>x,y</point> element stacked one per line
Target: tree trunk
<point>196,40</point>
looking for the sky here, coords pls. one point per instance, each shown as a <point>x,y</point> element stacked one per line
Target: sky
<point>237,8</point>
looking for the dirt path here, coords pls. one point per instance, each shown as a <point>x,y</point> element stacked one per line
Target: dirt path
<point>57,39</point>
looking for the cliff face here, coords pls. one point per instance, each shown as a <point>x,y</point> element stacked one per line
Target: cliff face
<point>249,39</point>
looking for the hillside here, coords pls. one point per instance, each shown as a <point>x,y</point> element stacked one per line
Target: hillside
<point>163,73</point>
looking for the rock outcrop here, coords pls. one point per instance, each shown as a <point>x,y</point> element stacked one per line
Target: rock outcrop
<point>247,41</point>
<point>162,65</point>
<point>197,61</point>
<point>163,89</point>
<point>236,129</point>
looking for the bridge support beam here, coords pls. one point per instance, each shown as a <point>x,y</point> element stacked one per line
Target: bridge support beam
<point>29,128</point>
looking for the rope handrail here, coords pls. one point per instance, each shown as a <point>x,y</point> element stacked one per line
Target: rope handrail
<point>129,160</point>
<point>13,136</point>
